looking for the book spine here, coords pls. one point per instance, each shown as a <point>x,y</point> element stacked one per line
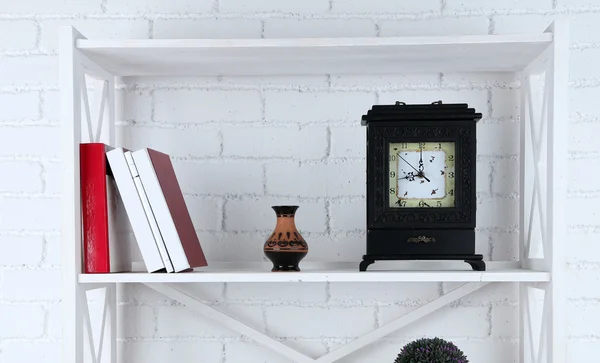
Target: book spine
<point>94,208</point>
<point>160,243</point>
<point>135,210</point>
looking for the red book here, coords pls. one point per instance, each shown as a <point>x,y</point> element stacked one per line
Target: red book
<point>104,223</point>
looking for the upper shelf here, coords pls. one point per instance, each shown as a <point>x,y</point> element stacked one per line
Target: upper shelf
<point>479,53</point>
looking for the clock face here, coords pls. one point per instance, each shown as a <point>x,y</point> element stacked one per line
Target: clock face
<point>421,175</point>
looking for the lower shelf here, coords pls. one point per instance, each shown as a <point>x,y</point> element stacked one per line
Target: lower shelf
<point>340,272</point>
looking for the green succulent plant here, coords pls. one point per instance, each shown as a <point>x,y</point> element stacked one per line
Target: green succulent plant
<point>431,350</point>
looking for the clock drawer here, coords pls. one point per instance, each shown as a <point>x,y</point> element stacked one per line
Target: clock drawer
<point>421,242</point>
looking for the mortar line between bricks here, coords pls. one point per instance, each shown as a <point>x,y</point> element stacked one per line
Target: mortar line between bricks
<point>152,96</point>
<point>41,104</point>
<point>490,242</point>
<point>29,268</point>
<point>28,123</point>
<point>224,217</point>
<point>46,322</point>
<point>27,158</point>
<point>262,29</point>
<point>428,15</point>
<point>42,175</point>
<point>38,35</point>
<point>583,265</point>
<point>28,303</point>
<point>491,25</point>
<point>29,195</point>
<point>32,340</point>
<point>315,339</point>
<point>45,246</point>
<point>326,88</point>
<point>151,29</point>
<point>24,89</point>
<point>258,197</point>
<point>489,320</point>
<point>223,352</point>
<point>328,229</point>
<point>26,53</point>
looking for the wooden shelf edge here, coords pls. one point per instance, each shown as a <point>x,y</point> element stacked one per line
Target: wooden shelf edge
<point>313,42</point>
<point>262,273</point>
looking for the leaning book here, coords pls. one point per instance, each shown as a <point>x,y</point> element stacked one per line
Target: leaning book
<point>167,202</point>
<point>135,210</point>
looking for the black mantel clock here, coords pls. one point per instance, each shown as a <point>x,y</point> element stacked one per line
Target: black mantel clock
<point>421,201</point>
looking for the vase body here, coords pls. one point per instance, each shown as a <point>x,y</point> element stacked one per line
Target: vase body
<point>285,247</point>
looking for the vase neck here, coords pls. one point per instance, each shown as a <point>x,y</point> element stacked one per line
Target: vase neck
<point>285,210</point>
<point>286,221</point>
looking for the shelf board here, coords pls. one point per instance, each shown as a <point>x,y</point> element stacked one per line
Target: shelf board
<point>304,56</point>
<point>332,273</point>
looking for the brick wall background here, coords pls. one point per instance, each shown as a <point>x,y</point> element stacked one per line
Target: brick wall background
<point>244,143</point>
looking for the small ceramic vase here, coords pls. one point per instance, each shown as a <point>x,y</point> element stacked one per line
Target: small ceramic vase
<point>285,247</point>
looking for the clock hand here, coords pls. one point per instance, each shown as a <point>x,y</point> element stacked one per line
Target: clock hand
<point>419,173</point>
<point>410,176</point>
<point>421,166</point>
<point>408,163</point>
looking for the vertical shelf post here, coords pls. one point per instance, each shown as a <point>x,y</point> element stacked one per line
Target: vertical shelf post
<point>543,164</point>
<point>73,293</point>
<point>99,127</point>
<point>558,119</point>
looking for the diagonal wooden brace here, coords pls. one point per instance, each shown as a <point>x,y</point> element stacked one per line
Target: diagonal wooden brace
<point>214,314</point>
<point>402,321</point>
<point>209,312</point>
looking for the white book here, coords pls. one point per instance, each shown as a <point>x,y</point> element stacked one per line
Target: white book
<point>135,210</point>
<point>161,210</point>
<point>160,243</point>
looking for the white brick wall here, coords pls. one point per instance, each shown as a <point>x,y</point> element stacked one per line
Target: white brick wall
<point>25,106</point>
<point>26,40</point>
<point>243,144</point>
<point>207,28</point>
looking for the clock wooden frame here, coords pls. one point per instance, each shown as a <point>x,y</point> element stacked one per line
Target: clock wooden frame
<point>436,233</point>
<point>381,134</point>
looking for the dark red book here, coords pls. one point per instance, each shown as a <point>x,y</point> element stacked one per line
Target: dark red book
<point>168,205</point>
<point>104,222</point>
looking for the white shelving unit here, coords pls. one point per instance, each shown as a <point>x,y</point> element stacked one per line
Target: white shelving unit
<point>540,59</point>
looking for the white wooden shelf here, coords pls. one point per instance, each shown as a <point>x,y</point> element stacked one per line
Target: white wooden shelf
<point>480,53</point>
<point>541,61</point>
<point>509,275</point>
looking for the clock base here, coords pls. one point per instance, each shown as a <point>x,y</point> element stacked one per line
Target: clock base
<point>475,261</point>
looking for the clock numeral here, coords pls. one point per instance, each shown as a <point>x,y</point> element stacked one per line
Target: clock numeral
<point>421,144</point>
<point>439,204</point>
<point>392,190</point>
<point>439,146</point>
<point>401,203</point>
<point>450,157</point>
<point>404,145</point>
<point>451,174</point>
<point>392,174</point>
<point>451,192</point>
<point>393,157</point>
<point>422,204</point>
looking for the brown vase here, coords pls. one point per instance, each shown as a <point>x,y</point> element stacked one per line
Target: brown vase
<point>285,247</point>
